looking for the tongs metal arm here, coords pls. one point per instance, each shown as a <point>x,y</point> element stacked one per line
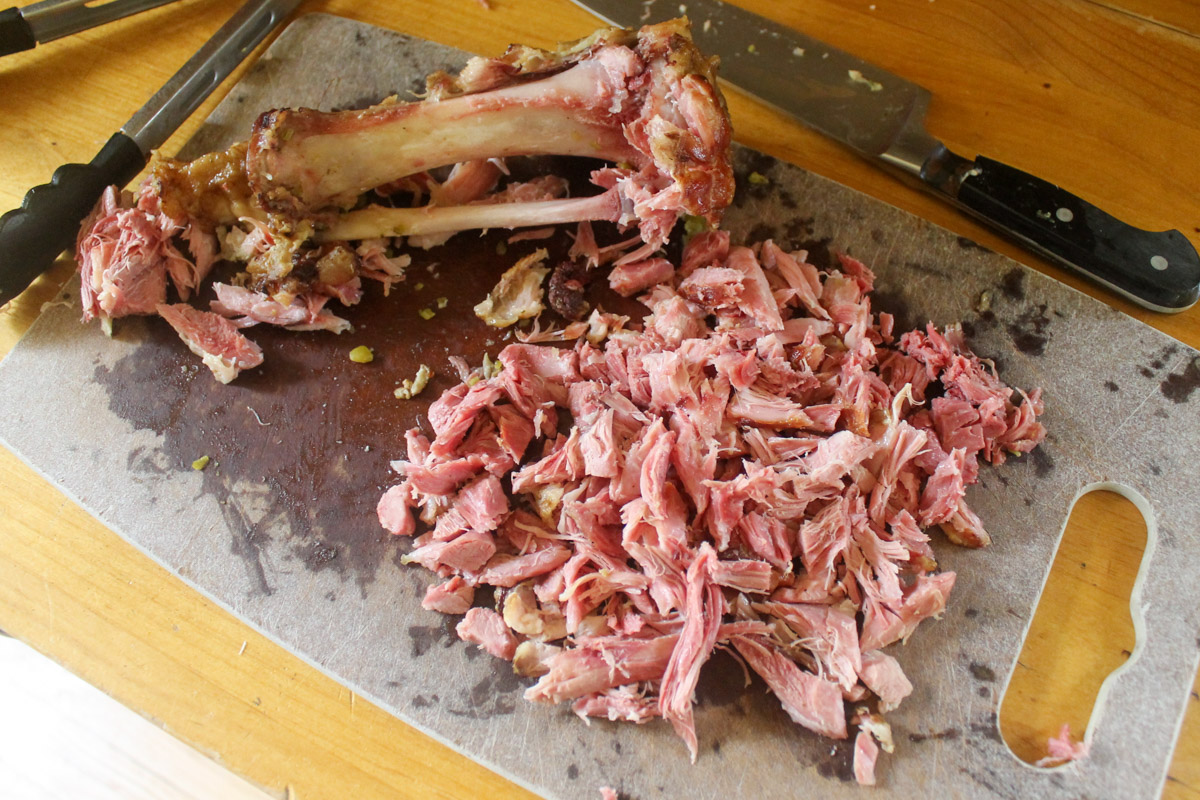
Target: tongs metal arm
<point>54,19</point>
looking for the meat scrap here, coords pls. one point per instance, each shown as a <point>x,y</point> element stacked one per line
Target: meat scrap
<point>750,469</point>
<point>1062,749</point>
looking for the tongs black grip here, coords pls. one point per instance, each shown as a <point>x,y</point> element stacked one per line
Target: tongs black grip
<point>15,33</point>
<point>47,223</point>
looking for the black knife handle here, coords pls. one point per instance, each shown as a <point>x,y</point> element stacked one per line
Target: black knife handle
<point>47,222</point>
<point>15,33</point>
<point>1159,270</point>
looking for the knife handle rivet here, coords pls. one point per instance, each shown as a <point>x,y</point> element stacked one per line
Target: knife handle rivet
<point>1065,214</point>
<point>1159,263</point>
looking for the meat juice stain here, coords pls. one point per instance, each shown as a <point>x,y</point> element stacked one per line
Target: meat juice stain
<point>989,728</point>
<point>494,695</point>
<point>1029,331</point>
<point>950,734</point>
<point>761,232</point>
<point>1178,387</point>
<point>819,253</point>
<point>798,229</point>
<point>982,672</point>
<point>971,244</point>
<point>1013,284</point>
<point>720,683</point>
<point>423,637</point>
<point>838,761</point>
<point>927,269</point>
<point>894,303</point>
<point>1043,464</point>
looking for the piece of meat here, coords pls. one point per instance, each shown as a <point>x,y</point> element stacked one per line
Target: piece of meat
<point>1062,749</point>
<point>882,675</point>
<point>450,597</point>
<point>486,628</point>
<point>466,552</point>
<point>866,752</point>
<point>303,313</point>
<point>810,701</point>
<point>925,598</point>
<point>629,279</point>
<point>126,253</point>
<point>222,348</point>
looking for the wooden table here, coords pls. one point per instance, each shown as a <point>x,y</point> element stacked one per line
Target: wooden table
<point>1101,96</point>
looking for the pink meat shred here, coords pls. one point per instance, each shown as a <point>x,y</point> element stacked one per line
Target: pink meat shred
<point>752,469</point>
<point>222,348</point>
<point>126,252</point>
<point>1062,749</point>
<point>866,753</point>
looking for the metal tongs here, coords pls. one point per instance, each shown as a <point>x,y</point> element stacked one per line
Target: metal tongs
<point>24,28</point>
<point>47,222</point>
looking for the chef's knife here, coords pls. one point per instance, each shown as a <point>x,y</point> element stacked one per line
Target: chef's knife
<point>882,116</point>
<point>24,28</point>
<point>47,222</point>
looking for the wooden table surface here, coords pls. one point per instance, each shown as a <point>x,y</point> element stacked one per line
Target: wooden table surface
<point>1100,96</point>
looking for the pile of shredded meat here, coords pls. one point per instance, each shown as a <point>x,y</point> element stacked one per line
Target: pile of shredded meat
<point>317,201</point>
<point>754,469</point>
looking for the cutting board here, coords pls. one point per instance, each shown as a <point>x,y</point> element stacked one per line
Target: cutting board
<point>280,527</point>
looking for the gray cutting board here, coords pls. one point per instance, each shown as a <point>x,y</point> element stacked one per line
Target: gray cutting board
<point>280,528</point>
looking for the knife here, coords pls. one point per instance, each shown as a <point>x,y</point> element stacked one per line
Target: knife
<point>47,222</point>
<point>882,116</point>
<point>25,28</point>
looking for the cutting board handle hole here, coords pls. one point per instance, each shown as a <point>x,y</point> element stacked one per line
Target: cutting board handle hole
<point>1083,629</point>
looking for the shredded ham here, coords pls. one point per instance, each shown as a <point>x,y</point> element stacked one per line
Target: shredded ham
<point>750,469</point>
<point>1062,749</point>
<point>217,341</point>
<point>126,252</point>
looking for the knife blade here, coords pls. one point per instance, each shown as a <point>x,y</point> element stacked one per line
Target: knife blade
<point>32,236</point>
<point>25,28</point>
<point>882,117</point>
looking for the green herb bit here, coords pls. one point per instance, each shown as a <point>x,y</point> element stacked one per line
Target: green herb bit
<point>758,179</point>
<point>426,313</point>
<point>200,463</point>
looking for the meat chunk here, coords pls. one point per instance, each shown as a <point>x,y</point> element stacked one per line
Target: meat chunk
<point>222,348</point>
<point>486,628</point>
<point>451,597</point>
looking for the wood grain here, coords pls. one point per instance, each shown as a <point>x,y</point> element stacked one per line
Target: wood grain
<point>1101,97</point>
